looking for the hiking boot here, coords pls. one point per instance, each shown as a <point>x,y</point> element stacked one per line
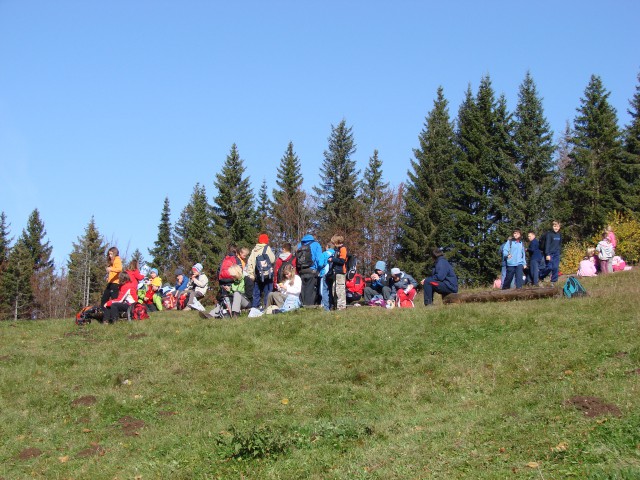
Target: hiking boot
<point>205,315</point>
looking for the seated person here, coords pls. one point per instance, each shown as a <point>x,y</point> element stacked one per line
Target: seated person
<point>127,295</point>
<point>443,279</point>
<point>355,288</point>
<point>233,297</point>
<point>379,283</point>
<point>197,288</point>
<point>587,267</point>
<point>287,296</point>
<point>150,295</point>
<point>403,288</point>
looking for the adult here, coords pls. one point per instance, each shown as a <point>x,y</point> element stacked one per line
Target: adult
<point>309,262</point>
<point>443,279</point>
<point>260,270</point>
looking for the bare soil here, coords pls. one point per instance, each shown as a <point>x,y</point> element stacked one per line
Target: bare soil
<point>130,425</point>
<point>593,406</point>
<point>29,453</point>
<point>94,449</point>
<point>84,401</point>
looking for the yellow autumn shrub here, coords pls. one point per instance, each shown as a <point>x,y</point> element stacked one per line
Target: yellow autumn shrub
<point>627,230</point>
<point>572,254</point>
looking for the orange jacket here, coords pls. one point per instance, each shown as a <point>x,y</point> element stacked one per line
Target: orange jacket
<point>116,268</point>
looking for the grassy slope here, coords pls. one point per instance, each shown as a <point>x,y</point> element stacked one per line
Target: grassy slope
<point>469,391</point>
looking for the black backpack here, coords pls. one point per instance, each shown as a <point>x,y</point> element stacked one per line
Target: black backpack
<point>281,269</point>
<point>304,259</point>
<point>264,267</point>
<point>352,266</point>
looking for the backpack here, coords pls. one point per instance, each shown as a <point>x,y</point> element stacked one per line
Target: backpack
<point>356,284</point>
<point>378,301</point>
<point>281,269</point>
<point>304,259</point>
<point>223,273</point>
<point>89,313</point>
<point>352,266</point>
<point>264,267</point>
<point>169,301</point>
<point>140,312</point>
<point>573,288</point>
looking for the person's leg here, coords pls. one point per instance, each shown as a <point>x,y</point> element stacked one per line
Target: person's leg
<point>256,294</point>
<point>308,287</point>
<point>555,266</point>
<point>428,292</point>
<point>534,268</point>
<point>506,285</point>
<point>369,293</point>
<point>386,293</point>
<point>341,291</point>
<point>519,275</point>
<point>324,293</point>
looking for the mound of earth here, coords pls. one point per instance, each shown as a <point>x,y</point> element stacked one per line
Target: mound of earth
<point>594,406</point>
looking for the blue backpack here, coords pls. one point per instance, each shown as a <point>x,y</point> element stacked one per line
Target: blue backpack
<point>573,288</point>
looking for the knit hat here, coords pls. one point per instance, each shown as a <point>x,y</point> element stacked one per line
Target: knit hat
<point>380,265</point>
<point>154,270</point>
<point>395,271</point>
<point>197,267</point>
<point>156,282</point>
<point>263,238</point>
<point>178,272</point>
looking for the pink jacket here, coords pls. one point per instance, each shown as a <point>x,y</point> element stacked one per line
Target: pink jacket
<point>587,269</point>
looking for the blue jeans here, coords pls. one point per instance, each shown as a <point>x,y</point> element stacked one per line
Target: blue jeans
<point>260,288</point>
<point>534,271</point>
<point>324,293</point>
<point>551,267</point>
<point>511,271</point>
<point>429,290</point>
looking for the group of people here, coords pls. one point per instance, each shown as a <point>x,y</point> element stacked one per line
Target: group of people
<point>543,259</point>
<point>602,258</point>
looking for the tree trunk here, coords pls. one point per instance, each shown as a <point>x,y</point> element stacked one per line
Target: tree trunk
<point>502,295</point>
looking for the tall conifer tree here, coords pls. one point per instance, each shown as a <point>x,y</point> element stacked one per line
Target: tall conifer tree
<point>163,251</point>
<point>533,147</point>
<point>290,213</point>
<point>42,276</point>
<point>339,184</point>
<point>234,201</point>
<point>86,268</point>
<point>631,167</point>
<point>16,282</point>
<point>5,239</point>
<point>264,207</point>
<point>594,181</point>
<point>427,220</point>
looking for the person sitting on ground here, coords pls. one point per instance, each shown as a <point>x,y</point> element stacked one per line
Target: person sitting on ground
<point>403,288</point>
<point>379,283</point>
<point>355,289</point>
<point>197,288</point>
<point>443,279</point>
<point>127,295</point>
<point>150,295</point>
<point>285,257</point>
<point>287,296</point>
<point>587,268</point>
<point>232,295</point>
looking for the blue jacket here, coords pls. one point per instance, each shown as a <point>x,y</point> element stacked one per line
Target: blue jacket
<point>552,243</point>
<point>443,273</point>
<point>403,282</point>
<point>182,286</point>
<point>535,254</point>
<point>516,250</point>
<point>316,252</point>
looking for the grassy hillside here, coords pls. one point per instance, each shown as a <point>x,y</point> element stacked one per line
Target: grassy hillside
<point>538,389</point>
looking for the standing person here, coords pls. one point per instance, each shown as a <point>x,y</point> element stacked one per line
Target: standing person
<point>513,252</point>
<point>326,279</point>
<point>443,279</point>
<point>403,288</point>
<point>338,265</point>
<point>535,258</point>
<point>197,287</point>
<point>114,267</point>
<point>379,283</point>
<point>612,238</point>
<point>605,253</point>
<point>309,263</point>
<point>551,248</point>
<point>260,269</point>
<point>503,262</point>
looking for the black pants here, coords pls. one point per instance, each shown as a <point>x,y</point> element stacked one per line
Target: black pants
<point>112,313</point>
<point>110,293</point>
<point>309,293</point>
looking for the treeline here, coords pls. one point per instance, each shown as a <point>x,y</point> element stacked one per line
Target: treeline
<point>473,179</point>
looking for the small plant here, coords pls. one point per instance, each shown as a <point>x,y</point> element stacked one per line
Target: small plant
<point>256,442</point>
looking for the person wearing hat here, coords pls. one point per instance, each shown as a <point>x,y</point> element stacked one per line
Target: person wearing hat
<point>181,282</point>
<point>379,283</point>
<point>442,280</point>
<point>403,288</point>
<point>259,269</point>
<point>197,288</point>
<point>151,297</point>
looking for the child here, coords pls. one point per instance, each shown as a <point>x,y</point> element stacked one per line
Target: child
<point>379,283</point>
<point>233,295</point>
<point>442,280</point>
<point>605,253</point>
<point>286,257</point>
<point>326,280</point>
<point>127,295</point>
<point>197,288</point>
<point>403,288</point>
<point>261,259</point>
<point>150,295</point>
<point>513,252</point>
<point>587,266</point>
<point>287,296</point>
<point>551,248</point>
<point>535,258</point>
<point>612,238</point>
<point>339,268</point>
<point>114,267</point>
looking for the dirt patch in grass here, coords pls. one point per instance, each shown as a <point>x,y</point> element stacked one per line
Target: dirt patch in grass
<point>84,401</point>
<point>94,449</point>
<point>167,413</point>
<point>634,372</point>
<point>621,354</point>
<point>136,336</point>
<point>593,406</point>
<point>130,426</point>
<point>29,453</point>
<point>5,358</point>
<point>84,420</point>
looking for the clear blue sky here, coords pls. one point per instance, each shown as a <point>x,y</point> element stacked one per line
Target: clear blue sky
<point>107,107</point>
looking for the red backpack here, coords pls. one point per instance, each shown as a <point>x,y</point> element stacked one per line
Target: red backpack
<point>356,284</point>
<point>223,274</point>
<point>140,312</point>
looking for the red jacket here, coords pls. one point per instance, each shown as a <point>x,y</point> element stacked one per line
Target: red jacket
<point>128,292</point>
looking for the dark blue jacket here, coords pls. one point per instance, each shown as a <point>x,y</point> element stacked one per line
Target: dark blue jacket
<point>552,243</point>
<point>443,273</point>
<point>535,254</point>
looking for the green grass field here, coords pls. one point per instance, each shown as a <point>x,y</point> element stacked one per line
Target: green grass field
<point>462,391</point>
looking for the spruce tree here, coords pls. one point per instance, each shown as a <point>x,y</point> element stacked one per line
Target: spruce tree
<point>5,239</point>
<point>427,222</point>
<point>234,201</point>
<point>290,213</point>
<point>16,282</point>
<point>196,232</point>
<point>86,268</point>
<point>264,207</point>
<point>376,198</point>
<point>533,148</point>
<point>594,181</point>
<point>163,251</point>
<point>42,276</point>
<point>631,166</point>
<point>338,212</point>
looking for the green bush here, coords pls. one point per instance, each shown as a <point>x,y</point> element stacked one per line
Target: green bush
<point>627,230</point>
<point>572,253</point>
